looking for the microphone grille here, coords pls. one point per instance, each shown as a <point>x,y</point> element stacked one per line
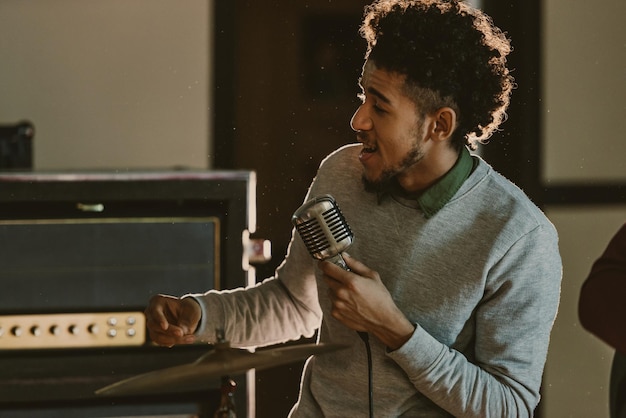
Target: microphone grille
<point>322,227</point>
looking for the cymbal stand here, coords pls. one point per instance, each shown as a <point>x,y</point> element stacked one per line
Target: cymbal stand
<point>227,399</point>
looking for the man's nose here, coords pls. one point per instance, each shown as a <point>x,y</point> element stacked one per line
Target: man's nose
<point>360,120</point>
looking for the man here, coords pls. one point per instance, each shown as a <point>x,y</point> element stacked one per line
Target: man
<point>454,273</point>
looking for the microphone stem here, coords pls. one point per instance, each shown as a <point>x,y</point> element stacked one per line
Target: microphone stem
<point>338,261</point>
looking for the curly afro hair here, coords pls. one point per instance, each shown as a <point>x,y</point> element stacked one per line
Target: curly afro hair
<point>451,54</point>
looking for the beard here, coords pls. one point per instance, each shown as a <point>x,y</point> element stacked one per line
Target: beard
<point>387,181</point>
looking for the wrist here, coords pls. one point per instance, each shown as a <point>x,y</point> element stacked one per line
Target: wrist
<point>397,335</point>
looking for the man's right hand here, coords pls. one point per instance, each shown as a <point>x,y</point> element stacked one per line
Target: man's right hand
<point>171,320</point>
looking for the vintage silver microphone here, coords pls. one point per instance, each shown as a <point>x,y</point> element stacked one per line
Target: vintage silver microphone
<point>326,234</point>
<point>323,229</point>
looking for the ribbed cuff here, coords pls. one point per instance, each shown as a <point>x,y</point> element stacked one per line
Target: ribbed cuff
<point>419,354</point>
<point>212,318</point>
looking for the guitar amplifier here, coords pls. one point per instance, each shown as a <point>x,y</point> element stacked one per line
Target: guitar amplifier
<point>81,255</point>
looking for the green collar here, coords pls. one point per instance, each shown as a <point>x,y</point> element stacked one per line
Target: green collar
<point>436,196</point>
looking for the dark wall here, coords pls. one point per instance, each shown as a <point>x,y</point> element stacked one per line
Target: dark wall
<point>286,99</point>
<point>515,151</point>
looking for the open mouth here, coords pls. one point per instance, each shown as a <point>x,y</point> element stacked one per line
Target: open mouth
<point>369,149</point>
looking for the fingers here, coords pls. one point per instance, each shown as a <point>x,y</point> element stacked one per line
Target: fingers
<point>334,272</point>
<point>358,267</point>
<point>355,294</point>
<point>171,320</point>
<point>157,316</point>
<point>169,340</point>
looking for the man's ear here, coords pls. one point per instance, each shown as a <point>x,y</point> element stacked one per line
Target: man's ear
<point>444,124</point>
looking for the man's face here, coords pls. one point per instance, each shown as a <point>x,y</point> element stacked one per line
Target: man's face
<point>390,128</point>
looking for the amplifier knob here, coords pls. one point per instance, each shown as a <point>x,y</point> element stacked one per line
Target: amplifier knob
<point>112,332</point>
<point>35,330</point>
<point>73,329</point>
<point>54,330</point>
<point>16,331</point>
<point>93,328</point>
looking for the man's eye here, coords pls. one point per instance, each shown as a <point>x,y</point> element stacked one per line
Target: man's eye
<point>377,108</point>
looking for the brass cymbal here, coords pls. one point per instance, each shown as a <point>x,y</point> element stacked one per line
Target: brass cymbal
<point>219,362</point>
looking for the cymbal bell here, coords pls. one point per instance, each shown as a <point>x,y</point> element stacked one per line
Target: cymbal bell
<point>219,362</point>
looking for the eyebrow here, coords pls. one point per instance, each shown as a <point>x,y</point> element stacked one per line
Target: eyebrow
<point>374,92</point>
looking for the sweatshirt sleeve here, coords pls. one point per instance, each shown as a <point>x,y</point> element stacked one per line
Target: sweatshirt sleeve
<point>281,308</point>
<point>513,324</point>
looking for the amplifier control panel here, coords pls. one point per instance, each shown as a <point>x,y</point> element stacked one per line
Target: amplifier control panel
<point>101,329</point>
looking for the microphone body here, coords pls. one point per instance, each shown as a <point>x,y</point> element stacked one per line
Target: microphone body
<point>324,230</point>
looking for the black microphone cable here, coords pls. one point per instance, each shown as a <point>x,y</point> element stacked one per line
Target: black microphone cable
<point>370,384</point>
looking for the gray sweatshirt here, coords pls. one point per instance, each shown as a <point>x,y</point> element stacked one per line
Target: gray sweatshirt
<point>480,279</point>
